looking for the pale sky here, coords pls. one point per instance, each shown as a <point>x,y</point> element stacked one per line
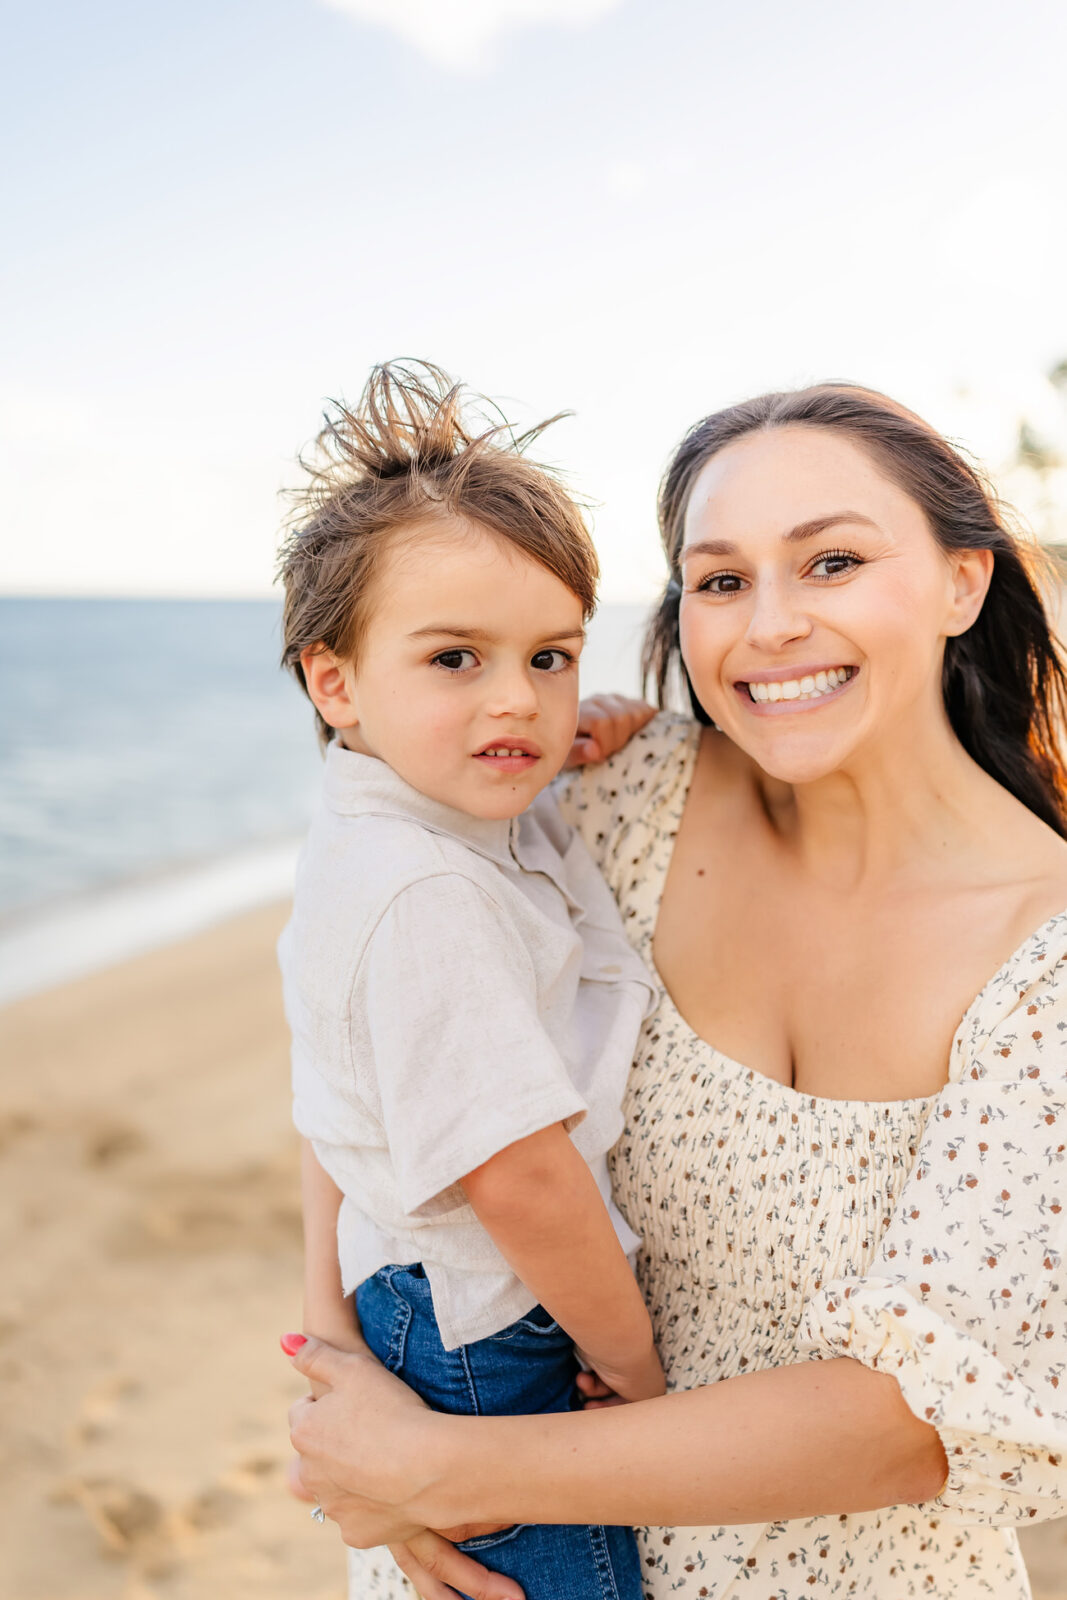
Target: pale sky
<point>219,213</point>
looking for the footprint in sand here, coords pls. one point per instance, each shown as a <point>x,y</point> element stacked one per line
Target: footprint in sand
<point>220,1503</point>
<point>211,1508</point>
<point>98,1407</point>
<point>112,1142</point>
<point>254,1207</point>
<point>125,1517</point>
<point>15,1125</point>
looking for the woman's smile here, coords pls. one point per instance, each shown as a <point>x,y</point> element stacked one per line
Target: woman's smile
<point>793,688</point>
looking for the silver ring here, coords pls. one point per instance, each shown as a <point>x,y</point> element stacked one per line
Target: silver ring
<point>318,1514</point>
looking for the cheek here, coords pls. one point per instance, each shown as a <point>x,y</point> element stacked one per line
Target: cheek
<point>898,628</point>
<point>705,637</point>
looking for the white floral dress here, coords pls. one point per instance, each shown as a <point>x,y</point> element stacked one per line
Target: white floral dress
<point>921,1237</point>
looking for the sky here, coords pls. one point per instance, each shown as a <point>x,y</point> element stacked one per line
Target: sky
<point>217,215</point>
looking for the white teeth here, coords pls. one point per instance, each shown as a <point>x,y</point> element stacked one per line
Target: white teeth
<point>502,752</point>
<point>809,687</point>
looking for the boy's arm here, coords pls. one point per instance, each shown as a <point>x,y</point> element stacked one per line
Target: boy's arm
<point>328,1313</point>
<point>540,1203</point>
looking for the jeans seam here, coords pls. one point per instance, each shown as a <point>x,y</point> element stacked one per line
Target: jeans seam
<point>401,1323</point>
<point>492,1541</point>
<point>598,1543</point>
<point>469,1376</point>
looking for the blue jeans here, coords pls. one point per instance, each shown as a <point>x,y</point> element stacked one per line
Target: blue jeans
<point>528,1367</point>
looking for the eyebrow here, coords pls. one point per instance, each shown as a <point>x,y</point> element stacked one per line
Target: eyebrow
<point>442,631</point>
<point>802,531</point>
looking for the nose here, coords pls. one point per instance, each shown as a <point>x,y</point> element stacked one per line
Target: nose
<point>777,617</point>
<point>513,694</point>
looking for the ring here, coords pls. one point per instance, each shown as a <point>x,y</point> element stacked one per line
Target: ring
<point>318,1514</point>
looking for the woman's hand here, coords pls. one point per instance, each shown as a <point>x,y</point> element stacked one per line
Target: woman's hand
<point>365,1445</point>
<point>359,1401</point>
<point>436,1569</point>
<point>605,723</point>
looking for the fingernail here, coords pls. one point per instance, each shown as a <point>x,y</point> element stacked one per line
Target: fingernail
<point>291,1342</point>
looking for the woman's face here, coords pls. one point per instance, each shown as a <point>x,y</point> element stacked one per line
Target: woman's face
<point>816,603</point>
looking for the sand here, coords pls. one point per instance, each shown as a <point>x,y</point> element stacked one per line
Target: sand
<point>149,1198</point>
<point>148,1202</point>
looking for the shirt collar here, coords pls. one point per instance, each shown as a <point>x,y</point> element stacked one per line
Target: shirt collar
<point>362,786</point>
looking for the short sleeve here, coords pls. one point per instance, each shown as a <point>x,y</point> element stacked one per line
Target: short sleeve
<point>463,1065</point>
<point>966,1301</point>
<point>604,800</point>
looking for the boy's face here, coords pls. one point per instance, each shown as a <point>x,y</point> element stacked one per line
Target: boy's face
<point>467,684</point>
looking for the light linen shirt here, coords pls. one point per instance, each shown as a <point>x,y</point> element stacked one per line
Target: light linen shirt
<point>452,985</point>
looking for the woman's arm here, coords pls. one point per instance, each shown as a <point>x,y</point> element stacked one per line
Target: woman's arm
<point>806,1440</point>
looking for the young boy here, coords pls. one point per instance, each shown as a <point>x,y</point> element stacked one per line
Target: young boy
<point>463,1002</point>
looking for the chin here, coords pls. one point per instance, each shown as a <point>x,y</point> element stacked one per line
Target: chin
<point>797,766</point>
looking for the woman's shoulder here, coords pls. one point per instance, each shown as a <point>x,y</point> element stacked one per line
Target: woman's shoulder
<point>1015,1026</point>
<point>640,782</point>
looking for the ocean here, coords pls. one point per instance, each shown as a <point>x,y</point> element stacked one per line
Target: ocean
<point>157,770</point>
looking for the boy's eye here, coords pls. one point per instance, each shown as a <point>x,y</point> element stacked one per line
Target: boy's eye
<point>551,660</point>
<point>455,660</point>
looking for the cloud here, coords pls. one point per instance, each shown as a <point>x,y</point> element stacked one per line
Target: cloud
<point>459,34</point>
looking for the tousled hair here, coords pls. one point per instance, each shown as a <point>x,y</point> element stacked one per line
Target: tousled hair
<point>410,454</point>
<point>1004,681</point>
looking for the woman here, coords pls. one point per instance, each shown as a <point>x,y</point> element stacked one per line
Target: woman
<point>850,1198</point>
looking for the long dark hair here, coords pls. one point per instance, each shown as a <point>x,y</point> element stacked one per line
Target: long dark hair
<point>1004,680</point>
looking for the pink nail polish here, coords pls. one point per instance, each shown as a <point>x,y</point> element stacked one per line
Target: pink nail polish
<point>291,1342</point>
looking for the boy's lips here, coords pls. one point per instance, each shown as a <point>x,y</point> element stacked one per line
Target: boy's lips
<point>509,755</point>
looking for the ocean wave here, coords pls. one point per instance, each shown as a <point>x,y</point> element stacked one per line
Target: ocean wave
<point>74,938</point>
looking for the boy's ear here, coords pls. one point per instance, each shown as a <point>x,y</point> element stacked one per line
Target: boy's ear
<point>329,686</point>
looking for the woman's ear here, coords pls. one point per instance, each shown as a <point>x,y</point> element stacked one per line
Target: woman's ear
<point>330,686</point>
<point>971,574</point>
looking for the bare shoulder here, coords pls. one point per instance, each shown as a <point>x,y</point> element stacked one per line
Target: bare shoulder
<point>1030,861</point>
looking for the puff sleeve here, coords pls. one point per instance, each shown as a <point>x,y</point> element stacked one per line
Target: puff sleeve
<point>617,805</point>
<point>966,1299</point>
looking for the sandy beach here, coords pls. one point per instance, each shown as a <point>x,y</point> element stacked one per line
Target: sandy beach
<point>148,1197</point>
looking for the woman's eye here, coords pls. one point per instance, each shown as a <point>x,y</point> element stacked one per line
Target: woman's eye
<point>455,660</point>
<point>833,564</point>
<point>721,583</point>
<point>551,660</point>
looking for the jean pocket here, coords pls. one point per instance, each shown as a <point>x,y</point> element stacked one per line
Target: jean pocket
<point>384,1316</point>
<point>538,1329</point>
<point>489,1541</point>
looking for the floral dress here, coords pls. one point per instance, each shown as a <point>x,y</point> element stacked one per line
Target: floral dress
<point>922,1237</point>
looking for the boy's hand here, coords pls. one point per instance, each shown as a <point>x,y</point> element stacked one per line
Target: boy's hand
<point>595,1394</point>
<point>606,722</point>
<point>640,1381</point>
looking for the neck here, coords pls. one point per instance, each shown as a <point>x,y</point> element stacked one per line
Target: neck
<point>900,810</point>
